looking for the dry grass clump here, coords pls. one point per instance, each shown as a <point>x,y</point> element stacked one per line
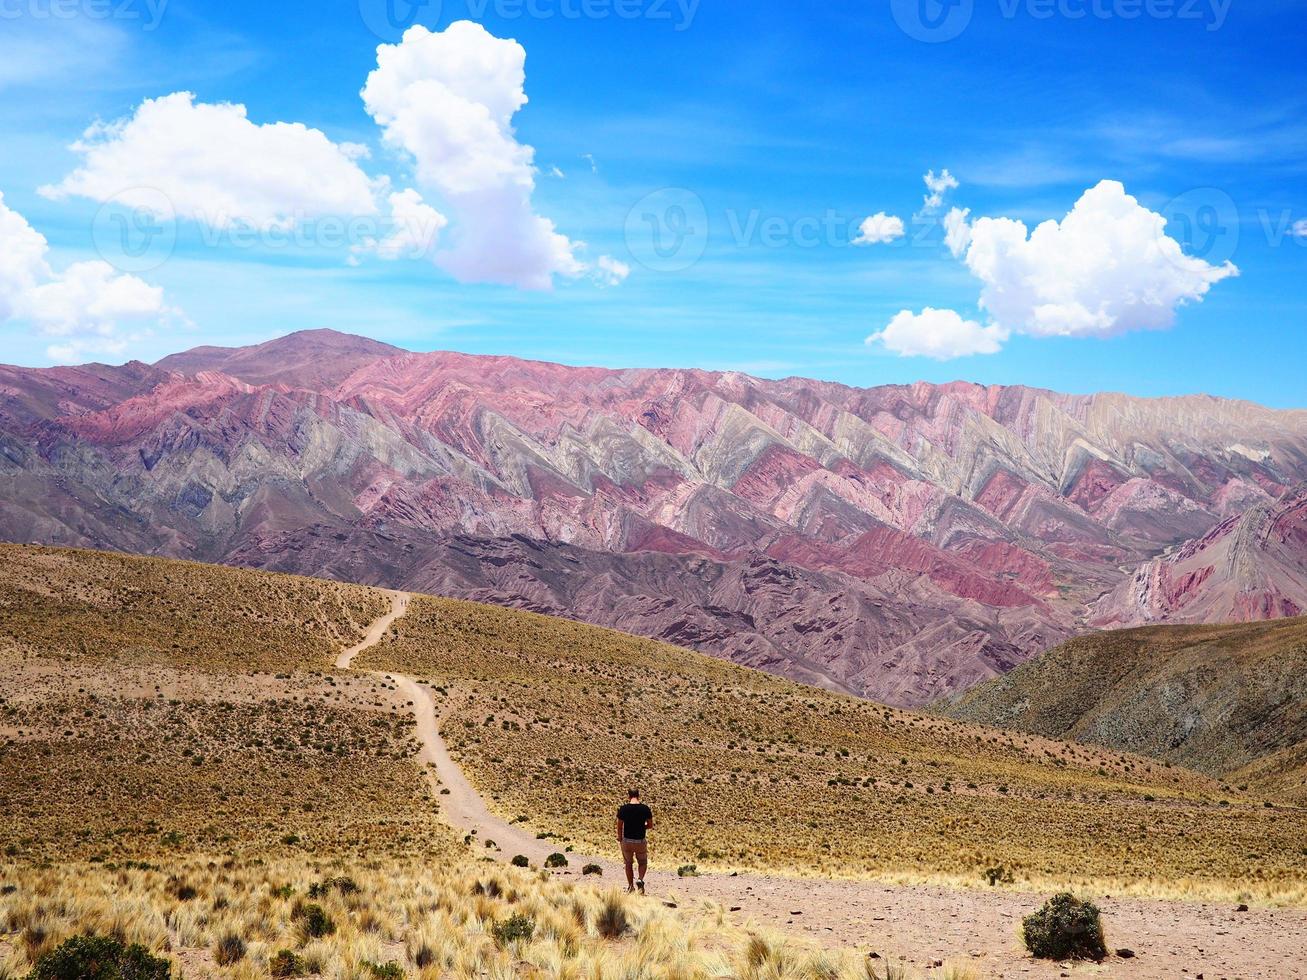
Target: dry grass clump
<point>247,919</point>
<point>554,720</point>
<point>101,607</point>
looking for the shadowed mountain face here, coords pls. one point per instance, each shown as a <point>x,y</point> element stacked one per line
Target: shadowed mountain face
<point>1230,700</point>
<point>897,542</point>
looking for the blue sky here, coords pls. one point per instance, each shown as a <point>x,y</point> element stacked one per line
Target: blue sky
<point>786,124</point>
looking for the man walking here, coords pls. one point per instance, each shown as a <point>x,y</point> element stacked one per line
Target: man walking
<point>634,821</point>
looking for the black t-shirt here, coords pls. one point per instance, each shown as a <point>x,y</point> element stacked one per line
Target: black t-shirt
<point>635,818</point>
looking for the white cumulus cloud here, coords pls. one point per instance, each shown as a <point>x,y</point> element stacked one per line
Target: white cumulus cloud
<point>610,272</point>
<point>1108,267</point>
<point>414,229</point>
<point>937,189</point>
<point>879,229</point>
<point>89,307</point>
<point>215,166</point>
<point>447,100</point>
<point>939,334</point>
<point>957,231</point>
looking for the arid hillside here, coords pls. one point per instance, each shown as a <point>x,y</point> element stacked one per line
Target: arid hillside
<point>233,769</point>
<point>1230,700</point>
<point>901,543</point>
<point>232,693</point>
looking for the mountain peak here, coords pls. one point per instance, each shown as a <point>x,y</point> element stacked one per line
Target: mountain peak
<point>304,359</point>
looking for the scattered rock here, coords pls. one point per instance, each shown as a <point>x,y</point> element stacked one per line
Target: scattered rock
<point>1126,954</point>
<point>1242,908</point>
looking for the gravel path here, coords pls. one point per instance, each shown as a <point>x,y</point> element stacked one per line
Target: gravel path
<point>920,925</point>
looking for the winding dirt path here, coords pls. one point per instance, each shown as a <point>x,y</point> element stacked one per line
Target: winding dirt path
<point>398,607</point>
<point>918,924</point>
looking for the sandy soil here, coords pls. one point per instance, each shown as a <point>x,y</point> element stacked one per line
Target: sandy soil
<point>920,925</point>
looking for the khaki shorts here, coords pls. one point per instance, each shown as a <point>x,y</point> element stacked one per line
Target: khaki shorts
<point>635,849</point>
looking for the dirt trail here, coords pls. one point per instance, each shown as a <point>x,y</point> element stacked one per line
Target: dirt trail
<point>919,924</point>
<point>398,606</point>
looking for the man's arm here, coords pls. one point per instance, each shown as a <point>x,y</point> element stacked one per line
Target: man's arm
<point>649,823</point>
<point>621,829</point>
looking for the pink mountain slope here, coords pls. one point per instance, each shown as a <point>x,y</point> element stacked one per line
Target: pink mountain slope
<point>899,542</point>
<point>1251,567</point>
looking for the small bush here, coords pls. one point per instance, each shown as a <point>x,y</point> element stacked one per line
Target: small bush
<point>100,958</point>
<point>342,886</point>
<point>556,861</point>
<point>386,971</point>
<point>688,871</point>
<point>1065,929</point>
<point>317,923</point>
<point>185,892</point>
<point>521,861</point>
<point>287,964</point>
<point>518,928</point>
<point>998,875</point>
<point>592,869</point>
<point>229,949</point>
<point>612,921</point>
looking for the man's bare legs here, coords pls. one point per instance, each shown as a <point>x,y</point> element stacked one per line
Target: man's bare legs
<point>633,855</point>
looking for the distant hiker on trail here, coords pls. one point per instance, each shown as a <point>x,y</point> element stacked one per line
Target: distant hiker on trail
<point>634,821</point>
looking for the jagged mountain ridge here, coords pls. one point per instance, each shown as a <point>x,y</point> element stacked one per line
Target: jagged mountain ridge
<point>925,536</point>
<point>1250,567</point>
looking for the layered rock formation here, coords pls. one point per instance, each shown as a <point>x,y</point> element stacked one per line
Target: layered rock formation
<point>1250,567</point>
<point>899,542</point>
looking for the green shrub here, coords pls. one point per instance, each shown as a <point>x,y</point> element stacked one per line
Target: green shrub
<point>287,964</point>
<point>998,875</point>
<point>556,861</point>
<point>342,886</point>
<point>592,869</point>
<point>317,923</point>
<point>688,871</point>
<point>229,949</point>
<point>386,971</point>
<point>100,958</point>
<point>521,861</point>
<point>1065,929</point>
<point>517,928</point>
